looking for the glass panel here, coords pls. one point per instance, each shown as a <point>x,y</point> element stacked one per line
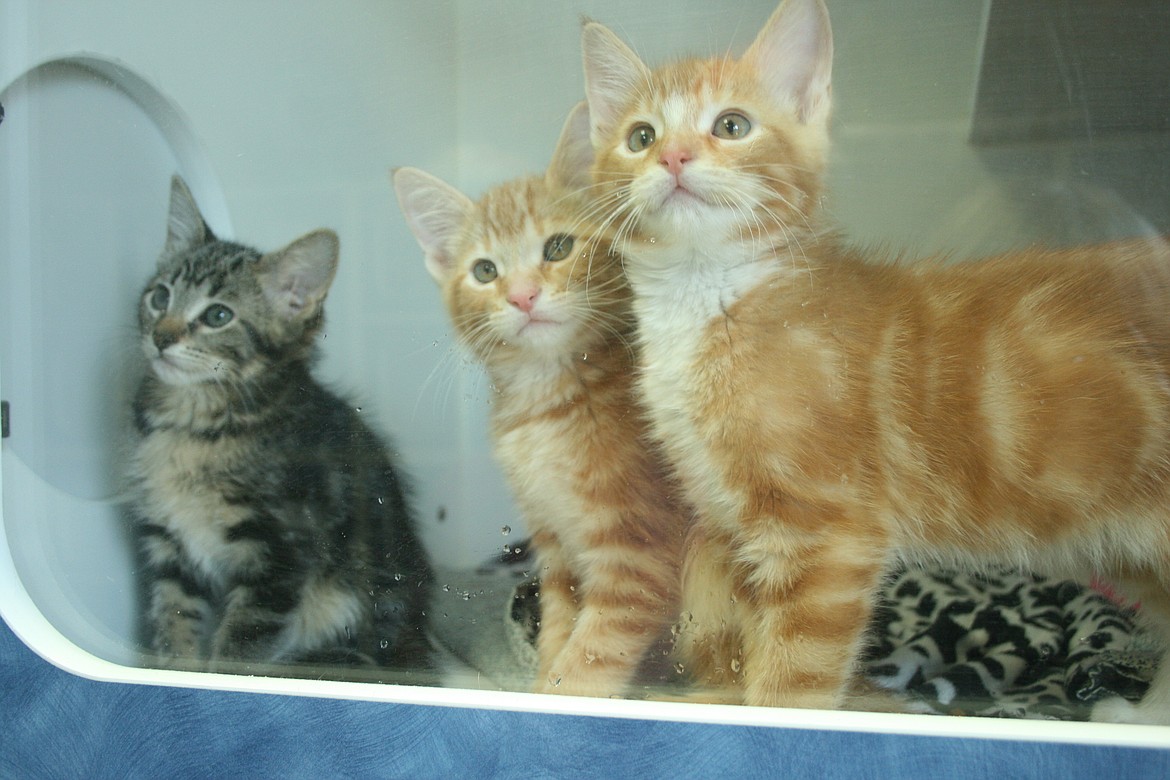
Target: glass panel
<point>957,128</point>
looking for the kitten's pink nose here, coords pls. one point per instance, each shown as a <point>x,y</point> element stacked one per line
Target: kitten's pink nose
<point>674,159</point>
<point>523,296</point>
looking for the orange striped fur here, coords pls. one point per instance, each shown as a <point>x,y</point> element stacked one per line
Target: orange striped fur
<point>828,412</point>
<point>566,428</point>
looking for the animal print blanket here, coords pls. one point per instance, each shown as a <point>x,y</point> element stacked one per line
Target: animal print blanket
<point>1010,645</point>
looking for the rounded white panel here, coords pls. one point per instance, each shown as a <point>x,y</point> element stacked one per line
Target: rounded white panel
<point>87,150</point>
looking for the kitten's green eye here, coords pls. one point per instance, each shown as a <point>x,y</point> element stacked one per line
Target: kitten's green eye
<point>160,298</point>
<point>558,247</point>
<point>640,137</point>
<point>731,126</point>
<point>484,271</point>
<point>216,316</point>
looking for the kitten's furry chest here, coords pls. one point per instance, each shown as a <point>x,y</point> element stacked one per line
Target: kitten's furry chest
<point>182,481</point>
<point>541,459</point>
<point>552,429</point>
<point>679,293</point>
<point>677,315</point>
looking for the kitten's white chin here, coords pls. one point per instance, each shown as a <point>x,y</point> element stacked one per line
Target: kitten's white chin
<point>172,374</point>
<point>541,334</point>
<point>671,213</point>
<point>688,221</point>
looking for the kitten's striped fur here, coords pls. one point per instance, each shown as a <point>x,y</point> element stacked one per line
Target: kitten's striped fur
<point>275,526</point>
<point>566,428</point>
<point>826,413</point>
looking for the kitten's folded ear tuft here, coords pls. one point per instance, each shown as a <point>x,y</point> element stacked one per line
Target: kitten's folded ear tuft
<point>185,226</point>
<point>435,213</point>
<point>296,279</point>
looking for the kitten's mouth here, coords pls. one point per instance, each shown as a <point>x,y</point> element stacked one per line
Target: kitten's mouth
<point>681,195</point>
<point>537,329</point>
<point>169,370</point>
<point>163,362</point>
<point>173,372</point>
<point>538,322</point>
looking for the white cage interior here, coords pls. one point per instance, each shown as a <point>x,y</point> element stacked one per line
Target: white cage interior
<point>285,117</point>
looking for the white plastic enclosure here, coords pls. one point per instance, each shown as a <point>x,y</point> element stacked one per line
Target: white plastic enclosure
<point>284,117</point>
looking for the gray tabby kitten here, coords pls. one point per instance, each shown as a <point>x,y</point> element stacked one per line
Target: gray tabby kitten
<point>275,526</point>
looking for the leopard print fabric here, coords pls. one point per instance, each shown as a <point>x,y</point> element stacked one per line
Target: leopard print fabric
<point>1009,645</point>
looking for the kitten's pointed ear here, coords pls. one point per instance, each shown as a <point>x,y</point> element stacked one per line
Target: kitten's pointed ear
<point>569,169</point>
<point>185,226</point>
<point>613,72</point>
<point>295,279</point>
<point>794,56</point>
<point>435,212</point>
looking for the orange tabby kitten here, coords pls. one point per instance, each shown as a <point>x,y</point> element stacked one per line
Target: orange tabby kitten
<point>540,299</point>
<point>826,414</point>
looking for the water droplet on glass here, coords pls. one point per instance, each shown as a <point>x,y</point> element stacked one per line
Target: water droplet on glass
<point>381,501</point>
<point>506,530</point>
<point>653,239</point>
<point>398,576</point>
<point>358,409</point>
<point>678,667</point>
<point>590,658</point>
<point>735,665</point>
<point>446,588</point>
<point>384,644</point>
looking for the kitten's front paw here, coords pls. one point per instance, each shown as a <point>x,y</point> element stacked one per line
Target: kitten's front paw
<point>1119,710</point>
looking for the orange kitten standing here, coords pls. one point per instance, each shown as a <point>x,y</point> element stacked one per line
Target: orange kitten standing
<point>539,298</point>
<point>827,414</point>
